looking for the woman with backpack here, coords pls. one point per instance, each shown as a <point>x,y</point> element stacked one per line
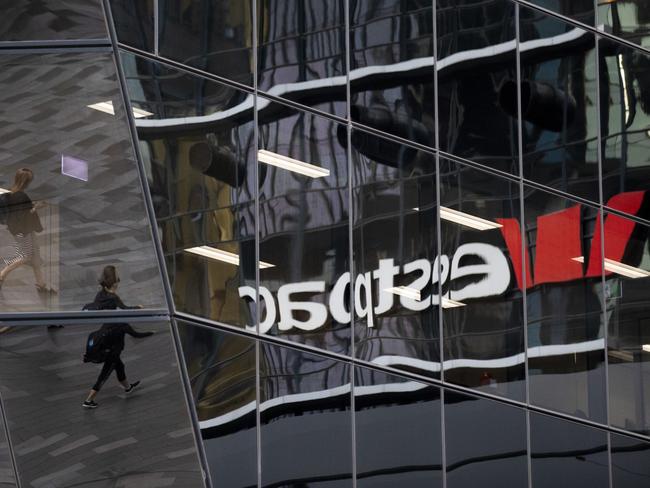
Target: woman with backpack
<point>109,339</point>
<point>23,224</point>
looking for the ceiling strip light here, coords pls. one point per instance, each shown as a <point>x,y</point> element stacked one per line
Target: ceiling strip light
<point>449,303</point>
<point>4,190</point>
<point>646,347</point>
<point>405,291</point>
<point>219,255</point>
<point>620,268</point>
<point>107,107</point>
<point>291,164</point>
<point>468,220</point>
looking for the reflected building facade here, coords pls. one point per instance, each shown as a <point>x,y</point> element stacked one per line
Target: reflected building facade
<point>380,242</point>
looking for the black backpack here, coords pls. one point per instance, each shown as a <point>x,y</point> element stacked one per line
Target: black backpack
<point>4,208</point>
<point>98,346</point>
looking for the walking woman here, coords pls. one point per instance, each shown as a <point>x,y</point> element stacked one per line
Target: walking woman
<point>23,224</point>
<point>113,335</point>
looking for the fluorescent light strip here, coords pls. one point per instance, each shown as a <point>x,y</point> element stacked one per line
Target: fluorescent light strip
<point>291,164</point>
<point>646,347</point>
<point>107,107</point>
<point>620,268</point>
<point>405,291</point>
<point>4,190</point>
<point>219,255</point>
<point>467,220</point>
<point>449,303</point>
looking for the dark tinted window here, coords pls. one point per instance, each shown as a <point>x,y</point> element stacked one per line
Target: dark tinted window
<point>567,454</point>
<point>630,462</point>
<point>564,299</point>
<point>306,429</point>
<point>397,426</point>
<point>57,20</point>
<point>394,235</point>
<point>391,63</point>
<point>580,10</point>
<point>134,22</point>
<point>477,72</point>
<point>7,477</point>
<point>199,152</point>
<point>480,266</point>
<point>485,441</point>
<point>629,20</point>
<point>221,369</point>
<point>559,104</point>
<point>214,35</point>
<point>301,53</point>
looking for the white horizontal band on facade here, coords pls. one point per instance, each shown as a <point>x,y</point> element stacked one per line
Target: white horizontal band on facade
<point>281,90</point>
<point>406,386</point>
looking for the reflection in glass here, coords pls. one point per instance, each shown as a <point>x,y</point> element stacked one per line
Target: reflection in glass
<point>397,426</point>
<point>135,439</point>
<point>221,369</point>
<point>580,10</point>
<point>629,20</point>
<point>394,241</point>
<point>57,20</point>
<point>477,69</point>
<point>624,119</point>
<point>82,208</point>
<point>630,462</point>
<point>7,477</point>
<point>627,272</point>
<point>134,22</point>
<point>564,299</point>
<point>480,266</point>
<point>559,104</point>
<point>306,423</point>
<point>567,454</point>
<point>301,54</point>
<point>198,148</point>
<point>485,441</point>
<point>213,35</point>
<point>391,63</point>
<point>304,233</point>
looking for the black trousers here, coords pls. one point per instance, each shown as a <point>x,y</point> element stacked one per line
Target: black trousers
<point>111,363</point>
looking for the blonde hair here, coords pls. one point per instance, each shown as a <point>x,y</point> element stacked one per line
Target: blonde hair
<point>23,178</point>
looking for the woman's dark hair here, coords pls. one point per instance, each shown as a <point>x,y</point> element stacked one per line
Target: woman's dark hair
<point>109,277</point>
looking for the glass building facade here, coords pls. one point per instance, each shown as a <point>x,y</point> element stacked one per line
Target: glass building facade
<point>379,242</point>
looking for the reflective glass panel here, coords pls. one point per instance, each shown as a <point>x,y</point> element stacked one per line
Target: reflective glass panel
<point>480,272</point>
<point>559,104</point>
<point>221,369</point>
<point>134,22</point>
<point>630,462</point>
<point>391,67</point>
<point>56,20</point>
<point>395,243</point>
<point>7,476</point>
<point>566,336</point>
<point>567,454</point>
<point>627,271</point>
<point>477,87</point>
<point>142,437</point>
<point>75,202</point>
<point>304,233</point>
<point>306,423</point>
<point>484,440</point>
<point>213,35</point>
<point>624,119</point>
<point>198,148</point>
<point>629,20</point>
<point>580,10</point>
<point>301,54</point>
<point>397,426</point>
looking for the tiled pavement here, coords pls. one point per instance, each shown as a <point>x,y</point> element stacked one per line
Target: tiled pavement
<point>139,441</point>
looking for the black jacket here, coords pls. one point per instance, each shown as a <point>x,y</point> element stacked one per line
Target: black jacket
<point>105,300</point>
<point>20,218</point>
<point>116,333</point>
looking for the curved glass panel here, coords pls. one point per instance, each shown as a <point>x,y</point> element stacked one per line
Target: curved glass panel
<point>73,200</point>
<point>142,437</point>
<point>52,20</point>
<point>480,266</point>
<point>221,369</point>
<point>629,20</point>
<point>198,148</point>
